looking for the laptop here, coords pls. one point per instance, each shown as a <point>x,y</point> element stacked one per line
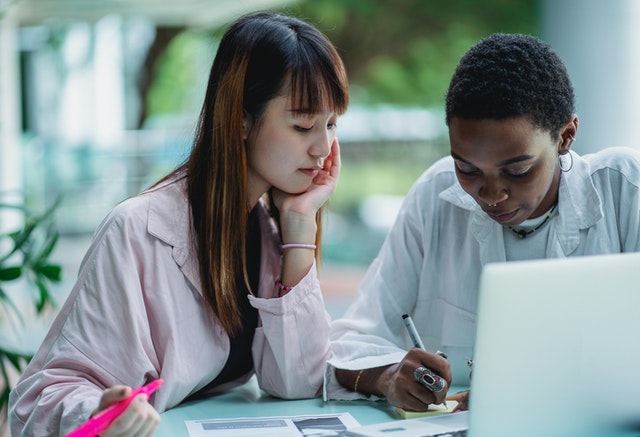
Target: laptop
<point>557,349</point>
<point>557,352</point>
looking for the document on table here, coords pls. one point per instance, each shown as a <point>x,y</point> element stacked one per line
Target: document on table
<point>453,424</point>
<point>317,425</point>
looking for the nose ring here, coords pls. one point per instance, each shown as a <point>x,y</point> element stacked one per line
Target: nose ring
<point>492,205</point>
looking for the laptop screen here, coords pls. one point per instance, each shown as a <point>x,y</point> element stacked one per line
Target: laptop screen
<point>557,350</point>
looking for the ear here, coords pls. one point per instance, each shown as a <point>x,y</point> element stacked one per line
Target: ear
<point>246,124</point>
<point>568,135</point>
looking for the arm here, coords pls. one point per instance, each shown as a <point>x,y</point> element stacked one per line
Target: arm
<point>396,382</point>
<point>371,333</point>
<point>98,340</point>
<point>292,345</point>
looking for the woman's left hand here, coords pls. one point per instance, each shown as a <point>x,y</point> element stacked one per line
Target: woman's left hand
<point>462,398</point>
<point>321,188</point>
<point>298,217</point>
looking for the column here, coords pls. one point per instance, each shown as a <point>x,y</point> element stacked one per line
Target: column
<point>11,184</point>
<point>600,44</point>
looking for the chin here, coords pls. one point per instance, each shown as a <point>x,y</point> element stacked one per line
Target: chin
<point>294,188</point>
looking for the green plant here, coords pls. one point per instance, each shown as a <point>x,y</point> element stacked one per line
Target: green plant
<point>24,253</point>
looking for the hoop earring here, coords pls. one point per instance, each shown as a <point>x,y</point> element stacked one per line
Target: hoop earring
<point>570,164</point>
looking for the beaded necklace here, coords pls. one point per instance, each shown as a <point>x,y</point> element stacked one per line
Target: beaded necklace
<point>523,234</point>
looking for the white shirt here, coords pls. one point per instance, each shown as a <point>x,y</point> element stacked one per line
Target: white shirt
<point>430,263</point>
<point>137,313</point>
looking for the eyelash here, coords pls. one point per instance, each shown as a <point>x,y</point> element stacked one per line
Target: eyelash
<point>511,175</point>
<point>307,129</point>
<point>518,175</point>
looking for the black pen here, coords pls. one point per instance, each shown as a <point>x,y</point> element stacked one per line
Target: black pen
<point>435,382</point>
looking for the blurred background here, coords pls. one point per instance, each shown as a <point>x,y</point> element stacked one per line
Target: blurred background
<point>99,99</point>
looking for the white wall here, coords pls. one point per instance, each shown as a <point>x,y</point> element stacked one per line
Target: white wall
<point>10,122</point>
<point>600,43</point>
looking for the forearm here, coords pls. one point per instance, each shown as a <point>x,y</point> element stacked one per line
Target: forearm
<point>364,381</point>
<point>292,347</point>
<point>297,229</point>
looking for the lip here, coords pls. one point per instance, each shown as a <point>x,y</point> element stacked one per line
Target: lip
<point>502,218</point>
<point>311,172</point>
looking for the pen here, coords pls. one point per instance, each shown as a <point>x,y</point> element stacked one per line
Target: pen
<point>426,377</point>
<point>413,333</point>
<point>101,421</point>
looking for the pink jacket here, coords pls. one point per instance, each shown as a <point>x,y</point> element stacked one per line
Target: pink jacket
<point>137,313</point>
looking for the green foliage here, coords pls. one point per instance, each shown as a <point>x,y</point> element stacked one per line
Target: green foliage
<point>396,51</point>
<point>180,75</point>
<point>25,253</point>
<point>405,51</point>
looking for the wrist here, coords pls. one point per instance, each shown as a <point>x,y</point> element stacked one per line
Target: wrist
<point>298,229</point>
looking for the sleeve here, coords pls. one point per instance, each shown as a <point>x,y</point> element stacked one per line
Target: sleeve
<point>291,347</point>
<point>100,338</point>
<point>371,333</point>
<point>629,203</point>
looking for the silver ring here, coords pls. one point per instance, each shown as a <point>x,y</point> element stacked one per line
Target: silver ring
<point>430,380</point>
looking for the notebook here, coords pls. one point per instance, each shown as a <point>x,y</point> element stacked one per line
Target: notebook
<point>557,353</point>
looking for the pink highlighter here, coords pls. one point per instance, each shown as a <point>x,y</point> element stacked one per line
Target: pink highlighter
<point>101,421</point>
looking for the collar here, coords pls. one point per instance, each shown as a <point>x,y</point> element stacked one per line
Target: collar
<point>169,220</point>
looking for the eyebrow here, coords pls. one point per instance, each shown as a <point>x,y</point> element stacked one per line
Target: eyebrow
<point>501,163</point>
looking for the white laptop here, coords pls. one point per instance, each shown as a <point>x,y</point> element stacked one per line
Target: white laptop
<point>557,352</point>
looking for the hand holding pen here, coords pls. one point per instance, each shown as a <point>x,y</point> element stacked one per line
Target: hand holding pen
<point>141,424</point>
<point>424,375</point>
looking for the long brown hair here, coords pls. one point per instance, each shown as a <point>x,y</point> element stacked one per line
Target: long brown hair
<point>258,57</point>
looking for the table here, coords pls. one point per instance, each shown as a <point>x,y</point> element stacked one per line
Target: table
<point>249,401</point>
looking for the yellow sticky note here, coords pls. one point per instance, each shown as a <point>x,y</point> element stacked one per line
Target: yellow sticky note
<point>433,410</point>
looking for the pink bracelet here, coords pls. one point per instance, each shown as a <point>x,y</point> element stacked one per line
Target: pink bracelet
<point>284,288</point>
<point>298,246</point>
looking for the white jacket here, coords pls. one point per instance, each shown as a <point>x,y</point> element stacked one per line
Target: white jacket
<point>137,313</point>
<point>430,263</point>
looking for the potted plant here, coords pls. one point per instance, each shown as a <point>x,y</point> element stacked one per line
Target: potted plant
<point>24,256</point>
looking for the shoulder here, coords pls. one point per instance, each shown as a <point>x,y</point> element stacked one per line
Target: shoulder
<point>161,211</point>
<point>622,161</point>
<point>438,176</point>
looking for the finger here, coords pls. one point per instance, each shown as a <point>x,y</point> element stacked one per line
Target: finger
<point>420,397</point>
<point>424,395</point>
<point>112,395</point>
<point>462,398</point>
<point>413,402</point>
<point>151,428</point>
<point>151,425</point>
<point>133,420</point>
<point>336,162</point>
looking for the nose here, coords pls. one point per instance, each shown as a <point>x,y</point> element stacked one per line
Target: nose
<point>492,191</point>
<point>321,145</point>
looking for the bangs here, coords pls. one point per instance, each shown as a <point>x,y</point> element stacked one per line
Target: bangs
<point>318,82</point>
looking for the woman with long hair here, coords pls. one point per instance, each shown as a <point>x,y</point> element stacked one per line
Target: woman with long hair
<point>209,276</point>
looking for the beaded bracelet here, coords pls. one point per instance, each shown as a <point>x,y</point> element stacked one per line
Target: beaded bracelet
<point>298,246</point>
<point>283,287</point>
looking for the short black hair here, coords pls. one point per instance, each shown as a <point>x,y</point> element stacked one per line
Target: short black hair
<point>511,75</point>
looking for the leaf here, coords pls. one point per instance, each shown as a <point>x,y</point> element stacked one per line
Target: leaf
<point>44,296</point>
<point>10,273</point>
<point>50,244</point>
<point>52,272</point>
<point>9,305</point>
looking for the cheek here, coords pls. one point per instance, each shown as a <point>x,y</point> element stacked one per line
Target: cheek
<point>469,185</point>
